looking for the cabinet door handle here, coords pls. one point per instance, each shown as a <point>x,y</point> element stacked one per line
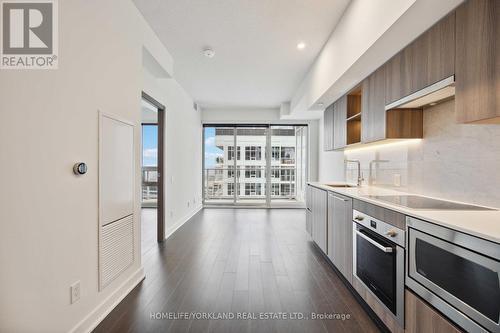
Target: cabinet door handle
<point>339,198</point>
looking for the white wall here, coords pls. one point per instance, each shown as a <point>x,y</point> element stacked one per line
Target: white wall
<point>240,115</point>
<point>183,150</point>
<point>48,121</point>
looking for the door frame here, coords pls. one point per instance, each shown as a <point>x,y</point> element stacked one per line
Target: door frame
<point>160,209</point>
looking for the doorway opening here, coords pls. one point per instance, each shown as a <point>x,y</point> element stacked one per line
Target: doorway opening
<point>255,165</point>
<point>152,167</point>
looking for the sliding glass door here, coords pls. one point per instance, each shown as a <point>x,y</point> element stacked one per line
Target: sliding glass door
<point>257,165</point>
<point>252,165</point>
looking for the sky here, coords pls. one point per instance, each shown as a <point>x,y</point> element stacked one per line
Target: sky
<point>211,151</point>
<point>149,145</point>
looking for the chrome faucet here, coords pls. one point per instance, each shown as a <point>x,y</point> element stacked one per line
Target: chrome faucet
<point>372,162</point>
<point>360,176</point>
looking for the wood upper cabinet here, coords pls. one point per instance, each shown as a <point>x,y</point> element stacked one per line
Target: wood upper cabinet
<point>427,60</point>
<point>328,128</point>
<point>477,75</point>
<point>379,124</point>
<point>398,76</point>
<point>422,318</point>
<point>373,121</point>
<point>340,123</point>
<point>340,233</point>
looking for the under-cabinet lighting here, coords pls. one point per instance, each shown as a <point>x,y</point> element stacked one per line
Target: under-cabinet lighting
<point>383,145</point>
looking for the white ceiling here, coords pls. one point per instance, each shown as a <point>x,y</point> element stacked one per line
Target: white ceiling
<point>257,63</point>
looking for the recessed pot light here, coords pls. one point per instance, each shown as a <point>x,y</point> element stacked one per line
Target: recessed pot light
<point>301,45</point>
<point>320,104</point>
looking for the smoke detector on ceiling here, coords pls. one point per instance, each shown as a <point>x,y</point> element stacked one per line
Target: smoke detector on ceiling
<point>209,53</point>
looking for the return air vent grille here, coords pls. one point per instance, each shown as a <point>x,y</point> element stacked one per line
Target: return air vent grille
<point>116,250</point>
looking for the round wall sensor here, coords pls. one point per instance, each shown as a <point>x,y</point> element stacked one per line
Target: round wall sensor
<point>209,53</point>
<point>80,168</point>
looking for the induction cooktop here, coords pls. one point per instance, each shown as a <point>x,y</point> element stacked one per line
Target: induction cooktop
<point>418,202</point>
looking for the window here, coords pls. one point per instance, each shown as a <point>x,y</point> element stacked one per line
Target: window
<point>253,153</point>
<point>230,189</point>
<point>287,189</point>
<point>230,171</point>
<point>252,189</point>
<point>275,173</point>
<point>252,172</point>
<point>288,175</point>
<point>288,155</point>
<point>275,189</point>
<point>216,189</point>
<point>275,153</point>
<point>230,153</point>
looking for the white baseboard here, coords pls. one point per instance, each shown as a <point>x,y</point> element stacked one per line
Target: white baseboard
<point>170,231</point>
<point>102,310</point>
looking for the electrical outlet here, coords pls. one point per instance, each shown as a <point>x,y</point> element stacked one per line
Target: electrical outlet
<point>189,203</point>
<point>75,292</point>
<point>171,213</point>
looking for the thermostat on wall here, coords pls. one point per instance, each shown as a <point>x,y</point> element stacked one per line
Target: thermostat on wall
<point>80,168</point>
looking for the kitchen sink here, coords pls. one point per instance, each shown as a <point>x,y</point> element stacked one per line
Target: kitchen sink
<point>340,185</point>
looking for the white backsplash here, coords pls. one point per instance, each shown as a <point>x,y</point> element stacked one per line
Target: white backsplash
<point>453,161</point>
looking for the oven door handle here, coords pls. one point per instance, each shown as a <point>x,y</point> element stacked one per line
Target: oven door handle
<point>377,245</point>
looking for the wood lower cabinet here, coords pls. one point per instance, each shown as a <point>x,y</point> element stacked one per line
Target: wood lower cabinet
<point>427,60</point>
<point>309,215</point>
<point>477,70</point>
<point>340,233</point>
<point>319,217</point>
<point>422,318</point>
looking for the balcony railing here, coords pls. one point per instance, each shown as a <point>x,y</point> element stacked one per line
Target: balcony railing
<point>251,183</point>
<point>149,186</point>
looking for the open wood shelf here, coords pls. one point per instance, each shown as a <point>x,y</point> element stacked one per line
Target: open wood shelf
<point>354,116</point>
<point>353,131</point>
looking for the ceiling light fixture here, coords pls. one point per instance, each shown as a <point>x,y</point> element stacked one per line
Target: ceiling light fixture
<point>301,45</point>
<point>208,52</point>
<point>320,104</point>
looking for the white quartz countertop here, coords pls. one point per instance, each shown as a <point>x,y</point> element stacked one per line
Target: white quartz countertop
<point>483,224</point>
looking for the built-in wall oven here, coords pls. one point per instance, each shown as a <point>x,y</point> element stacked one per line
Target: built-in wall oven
<point>378,261</point>
<point>459,274</point>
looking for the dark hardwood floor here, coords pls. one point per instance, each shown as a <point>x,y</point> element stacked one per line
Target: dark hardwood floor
<point>249,261</point>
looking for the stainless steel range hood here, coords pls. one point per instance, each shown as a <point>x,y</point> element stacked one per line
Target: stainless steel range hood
<point>436,92</point>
